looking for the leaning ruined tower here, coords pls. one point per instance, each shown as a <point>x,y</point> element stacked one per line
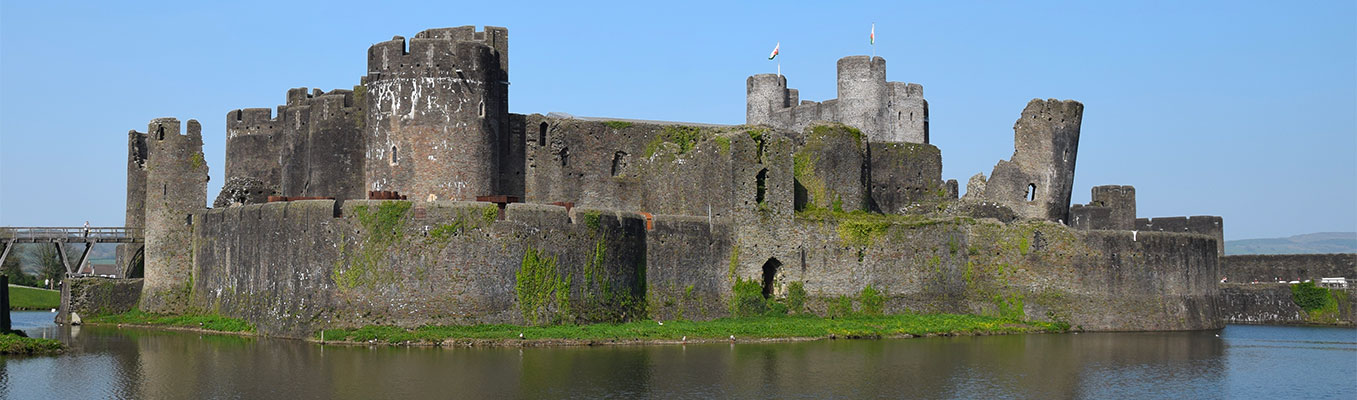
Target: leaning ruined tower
<point>437,113</point>
<point>176,187</point>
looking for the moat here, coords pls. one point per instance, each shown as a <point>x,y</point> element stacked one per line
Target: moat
<point>1242,362</point>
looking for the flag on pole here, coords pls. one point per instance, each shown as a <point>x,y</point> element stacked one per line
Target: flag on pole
<point>775,49</point>
<point>873,36</point>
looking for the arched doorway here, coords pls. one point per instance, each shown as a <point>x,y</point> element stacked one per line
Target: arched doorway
<point>770,270</point>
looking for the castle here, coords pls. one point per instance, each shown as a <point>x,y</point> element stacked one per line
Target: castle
<point>375,218</point>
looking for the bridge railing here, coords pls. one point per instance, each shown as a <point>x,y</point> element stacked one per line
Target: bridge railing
<point>68,233</point>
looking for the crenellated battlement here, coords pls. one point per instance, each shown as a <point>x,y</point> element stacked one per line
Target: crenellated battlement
<point>459,52</point>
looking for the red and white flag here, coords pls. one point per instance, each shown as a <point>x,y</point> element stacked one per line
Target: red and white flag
<point>775,50</point>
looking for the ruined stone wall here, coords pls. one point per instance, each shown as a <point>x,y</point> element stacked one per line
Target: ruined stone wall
<point>1210,225</point>
<point>1038,180</point>
<point>1271,303</point>
<point>905,176</point>
<point>887,112</point>
<point>437,114</point>
<point>1103,280</point>
<point>1288,267</point>
<point>1111,207</point>
<point>254,140</point>
<point>292,268</point>
<point>87,296</point>
<point>659,169</point>
<point>176,187</point>
<point>135,217</point>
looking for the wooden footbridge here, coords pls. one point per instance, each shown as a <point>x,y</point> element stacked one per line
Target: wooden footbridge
<point>61,236</point>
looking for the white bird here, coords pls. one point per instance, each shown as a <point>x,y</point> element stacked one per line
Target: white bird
<point>732,338</point>
<point>661,323</point>
<point>54,310</point>
<point>1217,335</point>
<point>685,339</point>
<point>520,335</point>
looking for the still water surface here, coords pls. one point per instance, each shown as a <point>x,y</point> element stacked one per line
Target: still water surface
<point>1242,362</point>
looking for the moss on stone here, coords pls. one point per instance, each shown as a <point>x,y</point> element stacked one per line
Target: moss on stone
<point>593,219</point>
<point>195,160</point>
<point>685,137</point>
<point>383,228</point>
<point>490,213</point>
<point>617,124</point>
<point>734,262</point>
<point>723,143</point>
<point>540,289</point>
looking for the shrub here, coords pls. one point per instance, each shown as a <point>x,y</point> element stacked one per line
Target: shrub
<point>1308,296</point>
<point>841,307</point>
<point>748,299</point>
<point>796,297</point>
<point>873,302</point>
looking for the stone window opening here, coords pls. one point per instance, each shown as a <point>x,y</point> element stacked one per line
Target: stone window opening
<point>393,156</point>
<point>542,134</point>
<point>564,154</point>
<point>761,183</point>
<point>240,114</point>
<point>160,133</point>
<point>164,190</point>
<point>770,270</point>
<point>619,162</point>
<point>482,112</point>
<point>1031,192</point>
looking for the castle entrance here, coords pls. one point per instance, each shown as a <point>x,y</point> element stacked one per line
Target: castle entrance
<point>770,271</point>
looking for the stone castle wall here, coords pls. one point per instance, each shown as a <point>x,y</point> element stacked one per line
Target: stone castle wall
<point>1043,271</point>
<point>1288,267</point>
<point>292,268</point>
<point>1272,303</point>
<point>1209,225</point>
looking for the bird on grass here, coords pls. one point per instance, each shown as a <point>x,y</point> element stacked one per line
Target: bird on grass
<point>520,335</point>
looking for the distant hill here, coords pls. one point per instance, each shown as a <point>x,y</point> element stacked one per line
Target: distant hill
<point>1312,243</point>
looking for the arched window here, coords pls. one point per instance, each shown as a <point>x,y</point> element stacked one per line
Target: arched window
<point>1031,192</point>
<point>393,155</point>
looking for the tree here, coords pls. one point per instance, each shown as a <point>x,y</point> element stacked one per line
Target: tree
<point>13,267</point>
<point>52,267</point>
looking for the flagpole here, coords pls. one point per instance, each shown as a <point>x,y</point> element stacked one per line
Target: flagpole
<point>873,40</point>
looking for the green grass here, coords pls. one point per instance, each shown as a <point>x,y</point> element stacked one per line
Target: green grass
<point>207,322</point>
<point>743,328</point>
<point>27,298</point>
<point>11,344</point>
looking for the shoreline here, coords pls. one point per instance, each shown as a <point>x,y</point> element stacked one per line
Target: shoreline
<point>760,329</point>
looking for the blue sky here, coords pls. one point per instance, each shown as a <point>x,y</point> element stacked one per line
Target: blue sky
<point>1246,110</point>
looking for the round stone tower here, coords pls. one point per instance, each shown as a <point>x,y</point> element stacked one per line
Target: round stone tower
<point>437,114</point>
<point>176,187</point>
<point>862,94</point>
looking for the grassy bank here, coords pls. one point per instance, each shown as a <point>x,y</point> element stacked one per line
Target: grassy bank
<point>11,344</point>
<point>204,322</point>
<point>27,298</point>
<point>750,328</point>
